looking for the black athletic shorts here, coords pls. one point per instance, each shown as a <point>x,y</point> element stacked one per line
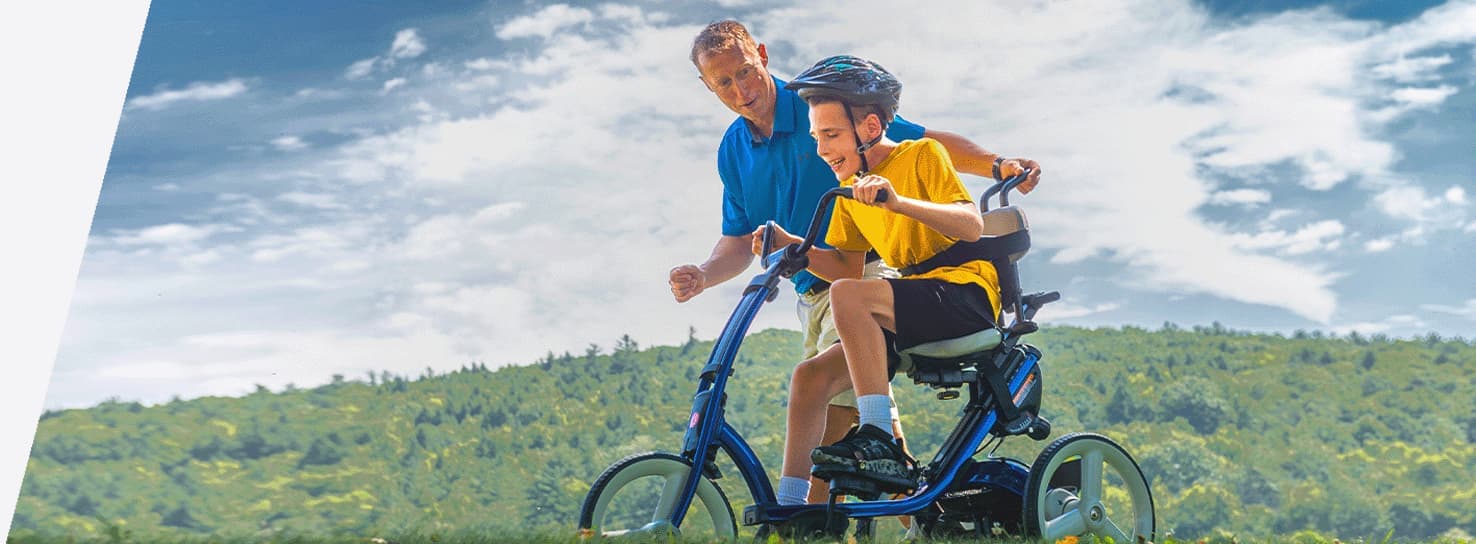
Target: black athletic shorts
<point>929,310</point>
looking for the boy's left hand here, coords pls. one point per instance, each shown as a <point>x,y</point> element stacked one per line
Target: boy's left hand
<point>866,189</point>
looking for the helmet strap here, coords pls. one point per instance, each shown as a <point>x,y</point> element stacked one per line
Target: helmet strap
<point>861,147</point>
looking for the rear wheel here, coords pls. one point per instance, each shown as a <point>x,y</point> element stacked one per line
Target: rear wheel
<point>1085,484</point>
<point>638,494</point>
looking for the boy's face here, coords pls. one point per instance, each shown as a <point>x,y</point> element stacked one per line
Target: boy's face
<point>739,76</point>
<point>835,138</point>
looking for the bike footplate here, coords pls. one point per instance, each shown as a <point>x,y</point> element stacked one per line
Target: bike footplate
<point>861,488</point>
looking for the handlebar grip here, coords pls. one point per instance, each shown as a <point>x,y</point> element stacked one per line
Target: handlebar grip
<point>768,242</point>
<point>849,192</point>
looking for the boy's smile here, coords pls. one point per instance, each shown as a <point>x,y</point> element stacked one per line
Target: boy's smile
<point>835,139</point>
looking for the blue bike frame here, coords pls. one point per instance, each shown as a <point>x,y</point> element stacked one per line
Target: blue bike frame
<point>707,428</point>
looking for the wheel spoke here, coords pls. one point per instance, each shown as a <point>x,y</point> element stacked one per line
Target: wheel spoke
<point>1068,524</point>
<point>1111,530</point>
<point>669,491</point>
<point>1091,476</point>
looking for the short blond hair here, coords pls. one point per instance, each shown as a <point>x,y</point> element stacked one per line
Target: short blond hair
<point>719,36</point>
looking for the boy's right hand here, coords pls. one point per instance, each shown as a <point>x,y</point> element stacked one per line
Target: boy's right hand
<point>686,281</point>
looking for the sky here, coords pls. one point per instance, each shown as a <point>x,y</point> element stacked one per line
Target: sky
<point>351,188</point>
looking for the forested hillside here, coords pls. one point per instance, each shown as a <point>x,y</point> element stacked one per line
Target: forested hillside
<point>1239,433</point>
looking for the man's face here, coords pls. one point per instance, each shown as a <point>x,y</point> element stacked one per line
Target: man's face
<point>835,138</point>
<point>740,78</point>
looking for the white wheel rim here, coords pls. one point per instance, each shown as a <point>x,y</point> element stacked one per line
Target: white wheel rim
<point>1087,515</point>
<point>672,473</point>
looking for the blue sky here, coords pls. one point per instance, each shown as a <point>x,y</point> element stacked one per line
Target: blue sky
<point>340,188</point>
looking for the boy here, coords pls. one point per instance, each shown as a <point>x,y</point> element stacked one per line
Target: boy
<point>925,210</point>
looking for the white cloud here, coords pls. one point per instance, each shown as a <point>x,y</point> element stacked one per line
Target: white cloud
<point>484,63</point>
<point>487,81</point>
<point>1243,197</point>
<point>194,92</point>
<point>1411,69</point>
<point>165,235</point>
<point>361,69</point>
<point>544,23</point>
<point>1410,203</point>
<point>1379,245</point>
<point>1467,310</point>
<point>313,200</point>
<point>1455,195</point>
<point>1060,311</point>
<point>289,143</point>
<point>390,85</point>
<point>407,44</point>
<point>1319,236</point>
<point>1423,97</point>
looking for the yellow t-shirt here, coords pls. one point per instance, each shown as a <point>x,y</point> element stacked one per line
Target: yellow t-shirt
<point>918,169</point>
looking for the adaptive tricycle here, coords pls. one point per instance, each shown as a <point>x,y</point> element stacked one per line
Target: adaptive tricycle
<point>1081,484</point>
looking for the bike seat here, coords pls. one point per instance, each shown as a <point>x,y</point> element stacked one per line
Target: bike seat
<point>953,347</point>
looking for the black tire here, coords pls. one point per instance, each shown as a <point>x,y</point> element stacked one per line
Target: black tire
<point>1060,500</point>
<point>595,516</point>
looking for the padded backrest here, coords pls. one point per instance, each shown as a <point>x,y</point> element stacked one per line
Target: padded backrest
<point>1006,220</point>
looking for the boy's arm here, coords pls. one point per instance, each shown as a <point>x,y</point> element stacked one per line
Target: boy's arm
<point>958,220</point>
<point>969,158</point>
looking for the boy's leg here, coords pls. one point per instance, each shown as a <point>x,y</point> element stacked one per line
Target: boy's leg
<point>862,308</point>
<point>814,382</point>
<point>838,420</point>
<point>813,310</point>
<point>841,414</point>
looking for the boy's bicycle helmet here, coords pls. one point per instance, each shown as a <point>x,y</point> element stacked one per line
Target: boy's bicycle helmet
<point>855,82</point>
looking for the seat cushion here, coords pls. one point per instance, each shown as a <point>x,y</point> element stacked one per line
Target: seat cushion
<point>953,347</point>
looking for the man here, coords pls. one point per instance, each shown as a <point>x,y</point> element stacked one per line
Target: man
<point>770,171</point>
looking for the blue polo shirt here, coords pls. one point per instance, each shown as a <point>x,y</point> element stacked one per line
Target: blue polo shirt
<point>780,178</point>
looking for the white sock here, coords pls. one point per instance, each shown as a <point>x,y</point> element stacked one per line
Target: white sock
<point>876,410</point>
<point>793,490</point>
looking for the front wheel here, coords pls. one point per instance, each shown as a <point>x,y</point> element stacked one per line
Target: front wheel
<point>1086,484</point>
<point>638,493</point>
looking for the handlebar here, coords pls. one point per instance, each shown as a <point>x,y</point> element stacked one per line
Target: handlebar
<point>814,230</point>
<point>1002,187</point>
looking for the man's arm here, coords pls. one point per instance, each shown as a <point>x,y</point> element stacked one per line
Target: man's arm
<point>969,158</point>
<point>729,258</point>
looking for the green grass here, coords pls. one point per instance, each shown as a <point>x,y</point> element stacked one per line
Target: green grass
<point>468,537</point>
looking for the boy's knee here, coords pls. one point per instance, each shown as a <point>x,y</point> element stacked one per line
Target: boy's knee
<point>847,292</point>
<point>804,370</point>
<point>812,376</point>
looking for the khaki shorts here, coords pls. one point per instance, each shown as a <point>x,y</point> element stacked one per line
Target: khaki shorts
<point>819,326</point>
